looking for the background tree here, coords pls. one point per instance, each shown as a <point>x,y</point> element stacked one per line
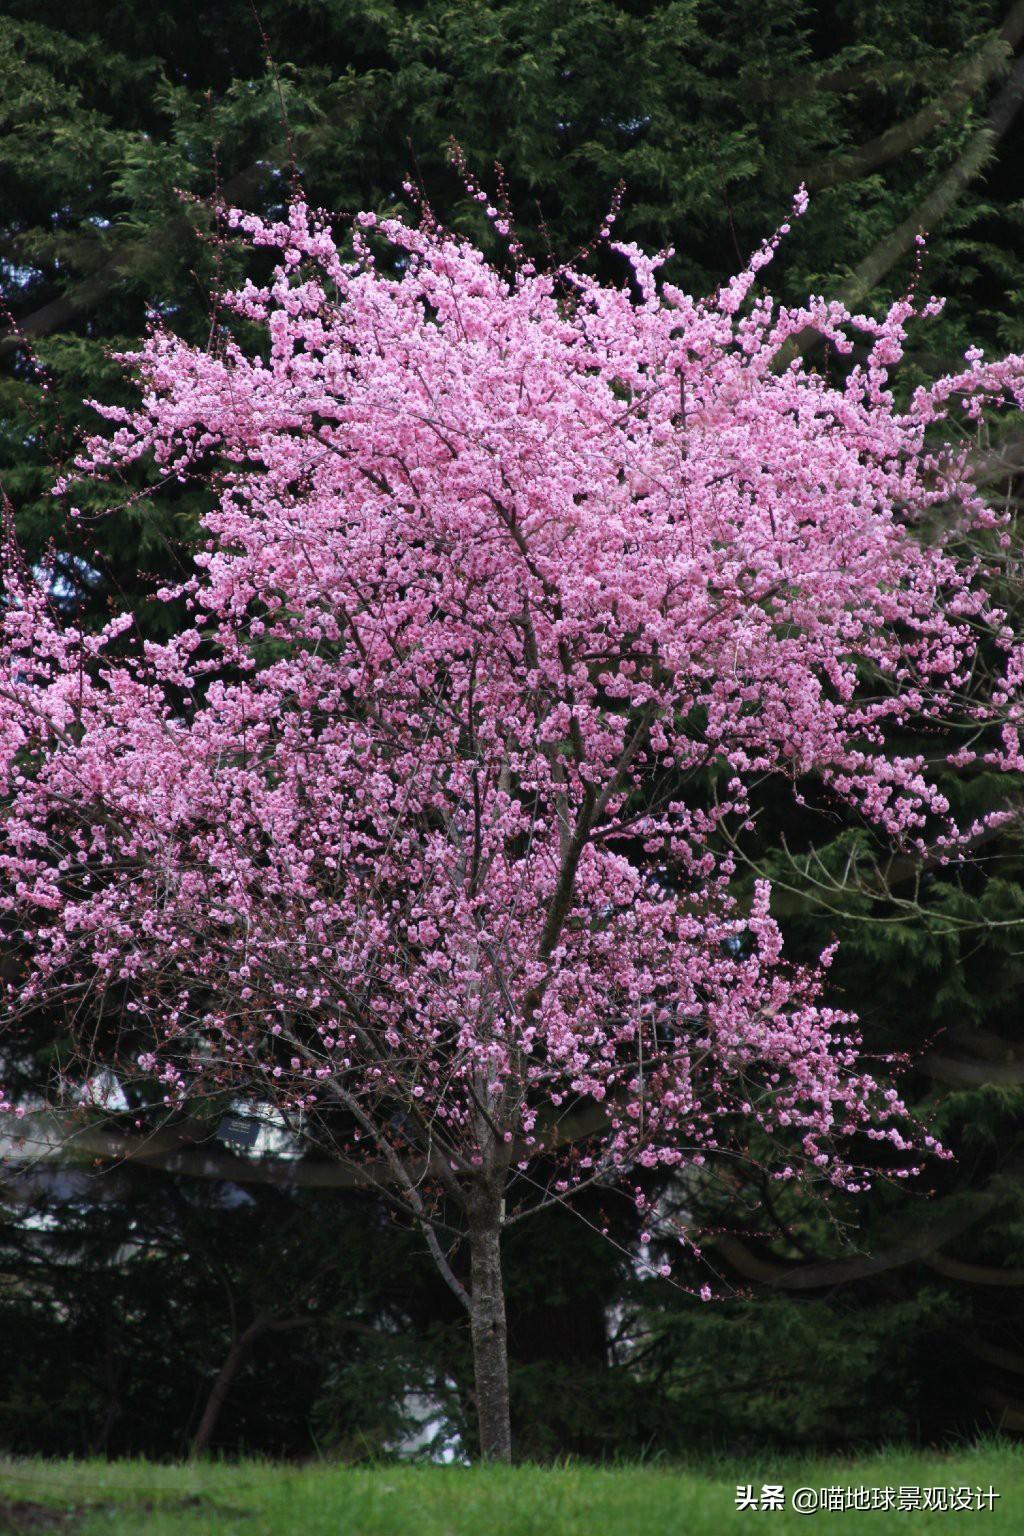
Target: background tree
<point>168,1315</point>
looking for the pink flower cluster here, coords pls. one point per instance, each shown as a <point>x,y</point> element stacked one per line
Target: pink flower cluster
<point>414,816</point>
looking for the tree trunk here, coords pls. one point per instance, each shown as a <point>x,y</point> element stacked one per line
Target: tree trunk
<point>487,1326</point>
<point>236,1358</point>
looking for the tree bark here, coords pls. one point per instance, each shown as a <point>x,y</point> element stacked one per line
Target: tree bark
<point>237,1355</point>
<point>488,1330</point>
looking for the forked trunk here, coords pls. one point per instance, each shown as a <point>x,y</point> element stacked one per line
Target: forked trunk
<point>487,1326</point>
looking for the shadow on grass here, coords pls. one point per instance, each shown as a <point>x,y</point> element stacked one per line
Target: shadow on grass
<point>22,1517</point>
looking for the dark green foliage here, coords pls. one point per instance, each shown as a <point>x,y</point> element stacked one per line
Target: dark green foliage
<point>844,1370</point>
<point>133,1289</point>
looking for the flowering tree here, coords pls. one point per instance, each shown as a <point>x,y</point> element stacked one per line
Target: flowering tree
<point>513,587</point>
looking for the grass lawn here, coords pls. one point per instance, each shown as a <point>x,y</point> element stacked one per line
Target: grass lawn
<point>260,1499</point>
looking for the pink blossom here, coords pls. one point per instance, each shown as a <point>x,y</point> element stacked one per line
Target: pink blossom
<point>494,569</point>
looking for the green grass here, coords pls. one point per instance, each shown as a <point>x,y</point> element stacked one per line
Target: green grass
<point>259,1499</point>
